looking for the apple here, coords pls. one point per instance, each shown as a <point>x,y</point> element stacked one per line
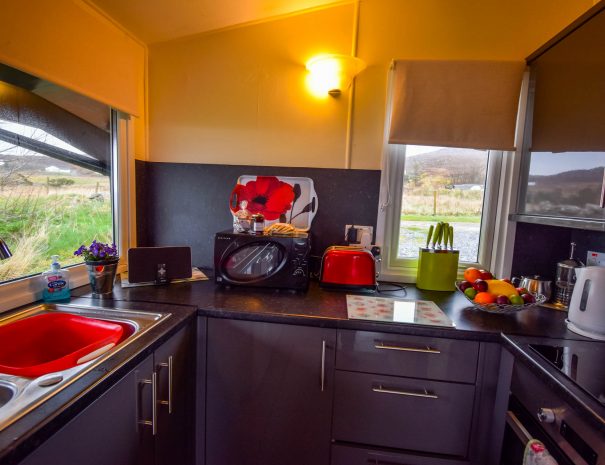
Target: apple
<point>516,299</point>
<point>502,300</point>
<point>470,292</point>
<point>464,285</point>
<point>485,275</point>
<point>480,285</point>
<point>528,298</point>
<point>522,290</point>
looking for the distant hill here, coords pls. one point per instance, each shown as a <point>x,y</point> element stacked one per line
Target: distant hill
<point>458,166</point>
<point>37,164</point>
<point>594,175</point>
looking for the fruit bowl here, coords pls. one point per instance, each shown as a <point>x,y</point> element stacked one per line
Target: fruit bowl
<point>502,308</point>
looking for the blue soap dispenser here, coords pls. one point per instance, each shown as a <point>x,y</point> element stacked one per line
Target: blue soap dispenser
<point>56,282</point>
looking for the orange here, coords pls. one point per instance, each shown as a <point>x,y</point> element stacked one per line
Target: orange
<point>471,274</point>
<point>485,298</point>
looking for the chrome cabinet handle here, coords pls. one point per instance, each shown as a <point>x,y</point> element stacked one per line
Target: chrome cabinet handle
<point>518,428</point>
<point>154,397</point>
<point>426,394</point>
<point>425,350</point>
<point>323,365</point>
<point>602,203</point>
<point>169,401</point>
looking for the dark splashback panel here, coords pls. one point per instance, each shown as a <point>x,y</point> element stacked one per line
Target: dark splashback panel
<point>538,248</point>
<point>185,204</point>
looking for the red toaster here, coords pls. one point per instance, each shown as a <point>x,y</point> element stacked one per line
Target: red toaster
<point>348,267</point>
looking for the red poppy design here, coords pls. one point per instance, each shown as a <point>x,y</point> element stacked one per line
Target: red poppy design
<point>267,195</point>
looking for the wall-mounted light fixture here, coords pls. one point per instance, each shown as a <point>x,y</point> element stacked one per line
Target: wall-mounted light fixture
<point>4,250</point>
<point>332,74</point>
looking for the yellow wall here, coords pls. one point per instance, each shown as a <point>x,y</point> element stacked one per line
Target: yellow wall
<point>238,97</point>
<point>71,44</point>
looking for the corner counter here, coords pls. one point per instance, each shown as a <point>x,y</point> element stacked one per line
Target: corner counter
<point>325,308</point>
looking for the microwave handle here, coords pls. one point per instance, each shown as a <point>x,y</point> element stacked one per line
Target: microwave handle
<point>518,428</point>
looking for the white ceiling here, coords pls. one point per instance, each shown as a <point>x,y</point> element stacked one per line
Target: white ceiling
<point>162,20</point>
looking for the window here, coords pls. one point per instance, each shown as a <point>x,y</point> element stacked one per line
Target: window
<point>55,173</point>
<point>433,105</point>
<point>431,184</point>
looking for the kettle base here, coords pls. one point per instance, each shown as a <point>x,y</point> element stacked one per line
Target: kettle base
<point>583,332</point>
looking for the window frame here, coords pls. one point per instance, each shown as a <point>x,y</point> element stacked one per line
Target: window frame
<point>28,289</point>
<point>497,238</point>
<point>392,181</point>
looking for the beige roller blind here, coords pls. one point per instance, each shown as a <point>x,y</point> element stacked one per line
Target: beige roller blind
<point>569,98</point>
<point>69,43</point>
<point>468,104</point>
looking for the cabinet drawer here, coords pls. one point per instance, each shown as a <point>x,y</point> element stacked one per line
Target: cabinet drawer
<point>346,455</point>
<point>413,356</point>
<point>403,413</point>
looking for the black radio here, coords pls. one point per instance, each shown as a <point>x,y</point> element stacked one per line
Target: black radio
<point>259,260</point>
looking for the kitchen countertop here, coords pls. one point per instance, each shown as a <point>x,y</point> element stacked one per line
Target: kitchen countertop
<point>328,309</point>
<point>27,433</point>
<point>317,307</point>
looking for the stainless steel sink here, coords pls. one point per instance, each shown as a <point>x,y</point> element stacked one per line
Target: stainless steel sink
<point>19,395</point>
<point>7,392</point>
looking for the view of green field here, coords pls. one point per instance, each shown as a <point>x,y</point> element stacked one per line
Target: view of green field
<point>442,185</point>
<point>50,214</point>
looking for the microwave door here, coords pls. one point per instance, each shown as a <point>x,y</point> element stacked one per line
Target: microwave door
<point>253,262</point>
<point>251,256</point>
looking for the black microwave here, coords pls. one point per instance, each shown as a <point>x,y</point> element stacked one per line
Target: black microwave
<point>259,260</point>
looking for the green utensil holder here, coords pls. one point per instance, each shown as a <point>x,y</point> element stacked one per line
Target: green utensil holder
<point>437,269</point>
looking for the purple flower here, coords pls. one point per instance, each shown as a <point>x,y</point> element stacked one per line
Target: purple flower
<point>97,251</point>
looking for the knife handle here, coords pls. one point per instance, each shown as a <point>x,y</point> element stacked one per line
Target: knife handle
<point>446,234</point>
<point>429,236</point>
<point>436,234</point>
<point>441,231</point>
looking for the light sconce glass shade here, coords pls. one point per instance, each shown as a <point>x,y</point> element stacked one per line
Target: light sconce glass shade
<point>4,251</point>
<point>331,74</point>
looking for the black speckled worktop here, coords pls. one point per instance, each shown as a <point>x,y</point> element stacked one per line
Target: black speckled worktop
<point>316,307</point>
<point>328,308</point>
<point>27,433</point>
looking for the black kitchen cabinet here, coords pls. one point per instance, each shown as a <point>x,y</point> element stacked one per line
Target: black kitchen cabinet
<point>174,365</point>
<point>118,428</point>
<point>402,399</point>
<point>269,393</point>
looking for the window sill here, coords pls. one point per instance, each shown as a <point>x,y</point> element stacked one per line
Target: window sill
<point>28,290</point>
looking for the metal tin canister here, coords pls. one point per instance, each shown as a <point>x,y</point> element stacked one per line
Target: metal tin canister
<point>258,223</point>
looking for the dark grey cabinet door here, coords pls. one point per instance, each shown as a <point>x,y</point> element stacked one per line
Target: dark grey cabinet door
<point>108,431</point>
<point>269,393</point>
<point>176,403</point>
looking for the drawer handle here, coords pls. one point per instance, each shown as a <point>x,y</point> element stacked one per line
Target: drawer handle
<point>154,399</point>
<point>168,402</point>
<point>517,427</point>
<point>425,350</point>
<point>426,394</point>
<point>323,366</point>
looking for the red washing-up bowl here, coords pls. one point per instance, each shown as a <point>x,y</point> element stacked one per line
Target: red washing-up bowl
<point>52,342</point>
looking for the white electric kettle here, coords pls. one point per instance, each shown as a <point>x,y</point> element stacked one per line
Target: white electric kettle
<point>587,307</point>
